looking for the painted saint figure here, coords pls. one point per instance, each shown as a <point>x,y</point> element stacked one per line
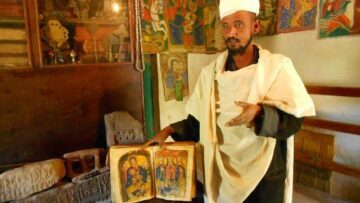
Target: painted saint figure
<point>180,177</point>
<point>136,179</point>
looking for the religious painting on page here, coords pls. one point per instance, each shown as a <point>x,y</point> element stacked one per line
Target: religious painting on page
<point>135,176</point>
<point>166,172</point>
<point>296,15</point>
<point>339,18</point>
<point>170,173</point>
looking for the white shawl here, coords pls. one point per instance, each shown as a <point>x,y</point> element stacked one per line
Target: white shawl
<point>275,83</point>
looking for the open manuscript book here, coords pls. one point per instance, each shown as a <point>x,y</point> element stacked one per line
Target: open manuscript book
<point>166,171</point>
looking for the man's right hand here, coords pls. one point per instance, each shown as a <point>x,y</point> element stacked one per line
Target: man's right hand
<point>160,136</point>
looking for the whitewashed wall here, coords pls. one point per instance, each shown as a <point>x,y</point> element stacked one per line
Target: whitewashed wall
<point>173,110</point>
<point>330,62</point>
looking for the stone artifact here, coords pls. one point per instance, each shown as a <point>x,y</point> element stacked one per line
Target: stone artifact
<point>62,194</point>
<point>26,180</point>
<point>122,128</point>
<point>90,174</point>
<point>94,189</point>
<point>88,188</point>
<point>87,159</point>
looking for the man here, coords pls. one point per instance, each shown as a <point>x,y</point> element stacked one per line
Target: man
<point>243,110</point>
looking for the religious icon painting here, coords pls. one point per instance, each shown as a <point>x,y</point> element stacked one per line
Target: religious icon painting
<point>185,23</point>
<point>339,18</point>
<point>174,75</point>
<point>153,26</point>
<point>212,27</point>
<point>296,15</point>
<point>170,173</point>
<point>165,171</point>
<point>85,31</point>
<point>135,175</point>
<point>267,17</point>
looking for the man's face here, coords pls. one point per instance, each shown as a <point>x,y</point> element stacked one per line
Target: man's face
<point>238,29</point>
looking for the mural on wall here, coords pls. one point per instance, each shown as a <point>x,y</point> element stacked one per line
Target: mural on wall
<point>212,27</point>
<point>339,17</point>
<point>296,15</point>
<point>267,17</point>
<point>154,27</point>
<point>174,75</point>
<point>186,25</point>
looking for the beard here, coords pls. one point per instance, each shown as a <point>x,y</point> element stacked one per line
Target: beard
<point>240,50</point>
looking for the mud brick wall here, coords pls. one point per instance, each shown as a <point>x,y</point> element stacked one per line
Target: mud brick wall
<point>49,112</point>
<point>317,146</point>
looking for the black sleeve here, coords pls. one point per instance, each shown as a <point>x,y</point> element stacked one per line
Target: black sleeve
<point>276,123</point>
<point>186,130</point>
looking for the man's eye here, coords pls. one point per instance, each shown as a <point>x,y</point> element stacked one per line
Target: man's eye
<point>225,27</point>
<point>238,25</point>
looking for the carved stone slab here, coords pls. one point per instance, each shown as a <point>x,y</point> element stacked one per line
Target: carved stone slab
<point>122,128</point>
<point>91,187</point>
<point>24,181</point>
<point>90,174</point>
<point>94,189</point>
<point>61,194</point>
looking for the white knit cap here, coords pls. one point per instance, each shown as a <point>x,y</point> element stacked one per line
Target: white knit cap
<point>228,7</point>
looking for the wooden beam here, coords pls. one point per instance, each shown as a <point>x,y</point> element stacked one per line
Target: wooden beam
<point>3,55</point>
<point>4,41</point>
<point>155,92</point>
<point>334,91</point>
<point>330,165</point>
<point>332,125</point>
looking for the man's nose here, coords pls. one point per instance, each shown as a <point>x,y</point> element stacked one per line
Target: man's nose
<point>233,32</point>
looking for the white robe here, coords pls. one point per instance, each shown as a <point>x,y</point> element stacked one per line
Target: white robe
<point>235,159</point>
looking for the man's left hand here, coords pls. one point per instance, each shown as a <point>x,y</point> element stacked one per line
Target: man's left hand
<point>250,111</point>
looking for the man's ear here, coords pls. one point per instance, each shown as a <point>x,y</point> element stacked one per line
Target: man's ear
<point>256,26</point>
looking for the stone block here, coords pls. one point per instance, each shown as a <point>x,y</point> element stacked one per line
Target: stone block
<point>90,174</point>
<point>93,189</point>
<point>61,194</point>
<point>26,180</point>
<point>122,128</point>
<point>90,187</point>
<point>82,161</point>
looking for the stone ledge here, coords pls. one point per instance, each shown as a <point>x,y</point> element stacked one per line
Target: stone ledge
<point>29,179</point>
